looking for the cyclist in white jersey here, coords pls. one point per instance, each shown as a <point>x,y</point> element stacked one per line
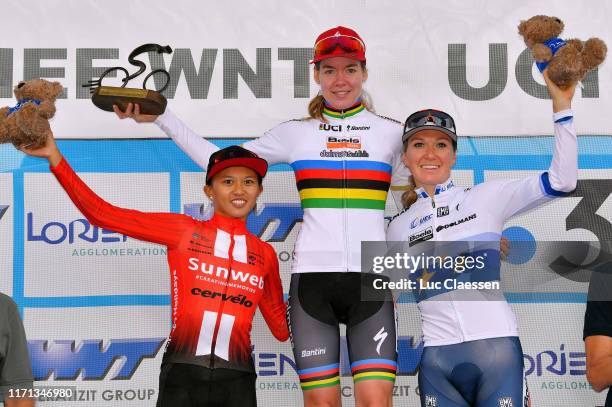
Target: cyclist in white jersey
<point>345,158</point>
<point>472,354</point>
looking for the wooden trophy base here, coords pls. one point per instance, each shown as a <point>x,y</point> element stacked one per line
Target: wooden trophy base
<point>150,101</point>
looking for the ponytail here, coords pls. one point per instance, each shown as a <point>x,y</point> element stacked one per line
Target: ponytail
<point>315,108</point>
<point>409,196</point>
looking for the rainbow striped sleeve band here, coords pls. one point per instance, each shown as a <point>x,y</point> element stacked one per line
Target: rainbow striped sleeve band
<point>374,369</point>
<point>323,376</point>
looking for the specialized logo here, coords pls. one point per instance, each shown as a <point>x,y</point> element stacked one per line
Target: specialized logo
<point>313,352</point>
<point>225,274</point>
<point>431,401</point>
<point>236,299</point>
<point>380,338</point>
<point>353,142</point>
<point>443,211</point>
<point>505,402</point>
<point>457,222</point>
<point>420,221</point>
<point>330,127</point>
<point>422,236</point>
<point>3,209</point>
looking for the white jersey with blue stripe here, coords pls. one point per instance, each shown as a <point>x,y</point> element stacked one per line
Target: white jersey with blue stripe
<point>478,214</point>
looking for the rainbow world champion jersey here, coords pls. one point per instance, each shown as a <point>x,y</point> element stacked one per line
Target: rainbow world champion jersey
<point>343,170</point>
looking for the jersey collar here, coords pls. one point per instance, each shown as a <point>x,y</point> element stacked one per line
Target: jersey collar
<point>330,111</point>
<point>230,225</point>
<point>440,189</point>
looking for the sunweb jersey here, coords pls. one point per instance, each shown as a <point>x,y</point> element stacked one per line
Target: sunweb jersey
<point>219,274</point>
<point>478,214</point>
<point>343,170</point>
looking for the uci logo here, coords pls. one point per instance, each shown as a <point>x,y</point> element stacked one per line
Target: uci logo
<point>330,127</point>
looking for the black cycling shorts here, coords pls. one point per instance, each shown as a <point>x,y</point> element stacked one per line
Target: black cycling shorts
<point>188,385</point>
<point>318,303</point>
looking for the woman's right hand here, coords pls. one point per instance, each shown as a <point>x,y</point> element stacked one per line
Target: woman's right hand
<point>132,111</point>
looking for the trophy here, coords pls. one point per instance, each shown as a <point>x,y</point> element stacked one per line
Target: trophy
<point>150,101</point>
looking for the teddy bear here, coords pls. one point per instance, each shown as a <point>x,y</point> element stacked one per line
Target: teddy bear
<point>567,61</point>
<point>27,123</point>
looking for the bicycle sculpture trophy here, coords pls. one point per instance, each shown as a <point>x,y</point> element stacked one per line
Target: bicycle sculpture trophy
<point>150,101</point>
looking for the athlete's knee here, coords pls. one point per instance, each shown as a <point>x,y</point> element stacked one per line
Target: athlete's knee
<point>373,394</point>
<point>329,397</point>
<point>385,401</point>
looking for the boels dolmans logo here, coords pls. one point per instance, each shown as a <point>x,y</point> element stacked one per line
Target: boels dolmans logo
<point>343,142</point>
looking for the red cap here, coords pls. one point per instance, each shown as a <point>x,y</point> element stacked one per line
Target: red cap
<point>339,42</point>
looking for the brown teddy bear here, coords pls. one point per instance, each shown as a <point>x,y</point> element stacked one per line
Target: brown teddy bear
<point>27,123</point>
<point>567,61</point>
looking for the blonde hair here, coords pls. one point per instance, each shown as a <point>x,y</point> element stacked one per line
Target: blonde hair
<point>317,103</point>
<point>409,196</point>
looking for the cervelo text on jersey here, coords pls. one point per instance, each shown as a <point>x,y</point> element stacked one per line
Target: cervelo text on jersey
<point>219,274</point>
<point>343,170</point>
<point>478,214</point>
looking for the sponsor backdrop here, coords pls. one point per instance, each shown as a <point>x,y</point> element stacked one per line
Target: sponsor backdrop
<point>96,304</point>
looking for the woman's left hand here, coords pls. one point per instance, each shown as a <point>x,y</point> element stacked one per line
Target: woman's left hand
<point>48,151</point>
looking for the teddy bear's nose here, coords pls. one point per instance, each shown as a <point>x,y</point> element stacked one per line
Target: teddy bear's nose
<point>20,84</point>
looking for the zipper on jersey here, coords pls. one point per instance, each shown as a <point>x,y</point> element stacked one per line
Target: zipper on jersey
<point>230,256</point>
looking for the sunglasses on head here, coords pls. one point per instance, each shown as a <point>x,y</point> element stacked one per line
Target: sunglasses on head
<point>347,43</point>
<point>429,117</point>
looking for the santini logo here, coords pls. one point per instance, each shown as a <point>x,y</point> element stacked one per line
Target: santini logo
<point>313,352</point>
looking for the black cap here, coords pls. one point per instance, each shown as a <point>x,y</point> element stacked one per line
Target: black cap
<point>235,156</point>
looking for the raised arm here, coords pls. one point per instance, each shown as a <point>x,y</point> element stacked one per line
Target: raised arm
<point>162,228</point>
<point>272,306</point>
<point>561,177</point>
<point>192,144</point>
<point>272,146</point>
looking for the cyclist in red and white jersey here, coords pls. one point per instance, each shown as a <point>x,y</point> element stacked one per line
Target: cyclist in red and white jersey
<point>219,274</point>
<point>345,159</point>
